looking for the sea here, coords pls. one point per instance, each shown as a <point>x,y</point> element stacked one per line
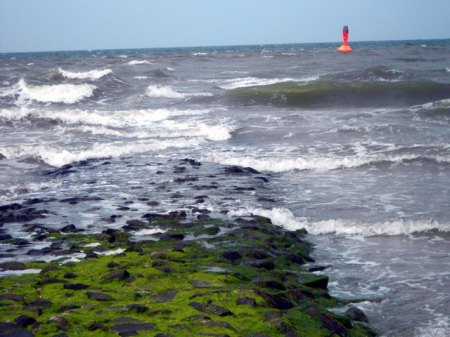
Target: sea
<point>354,148</point>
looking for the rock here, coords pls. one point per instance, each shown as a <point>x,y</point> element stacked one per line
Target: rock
<point>67,307</point>
<point>356,314</point>
<point>257,254</point>
<point>232,255</point>
<point>314,281</point>
<point>4,237</point>
<point>171,236</point>
<point>15,333</point>
<point>315,268</point>
<point>164,297</point>
<point>334,326</point>
<point>48,269</point>
<point>275,301</point>
<point>240,170</point>
<point>295,258</point>
<point>70,229</point>
<point>200,284</point>
<point>118,275</point>
<point>211,309</point>
<point>246,301</point>
<point>99,297</point>
<point>131,329</point>
<point>12,266</point>
<point>139,308</point>
<point>23,321</point>
<point>75,286</point>
<point>61,334</point>
<point>261,264</point>
<point>12,297</point>
<point>70,275</point>
<point>134,225</point>
<point>270,283</point>
<point>60,321</point>
<point>95,326</point>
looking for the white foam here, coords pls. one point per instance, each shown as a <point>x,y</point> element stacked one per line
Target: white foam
<point>57,93</point>
<point>57,156</point>
<point>253,81</point>
<point>162,92</point>
<point>111,252</point>
<point>92,74</point>
<point>285,218</point>
<point>149,231</point>
<point>274,164</point>
<point>138,62</point>
<point>19,272</point>
<point>118,118</point>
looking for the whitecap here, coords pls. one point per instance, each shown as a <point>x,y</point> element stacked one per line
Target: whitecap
<point>138,62</point>
<point>253,81</point>
<point>283,217</point>
<point>57,93</point>
<point>92,74</point>
<point>162,92</point>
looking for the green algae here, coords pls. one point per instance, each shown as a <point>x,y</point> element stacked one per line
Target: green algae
<point>154,284</point>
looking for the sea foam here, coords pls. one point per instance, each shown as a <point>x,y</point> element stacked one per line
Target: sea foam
<point>285,218</point>
<point>57,93</point>
<point>162,92</point>
<point>92,74</point>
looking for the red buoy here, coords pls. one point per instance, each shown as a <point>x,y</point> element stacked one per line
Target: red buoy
<point>345,48</point>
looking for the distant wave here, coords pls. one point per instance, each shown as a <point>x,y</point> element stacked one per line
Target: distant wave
<point>274,164</point>
<point>285,218</point>
<point>162,92</point>
<point>138,62</point>
<point>57,93</point>
<point>245,82</point>
<point>321,94</point>
<point>92,74</point>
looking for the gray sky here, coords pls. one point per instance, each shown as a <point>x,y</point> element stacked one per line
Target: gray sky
<point>44,25</point>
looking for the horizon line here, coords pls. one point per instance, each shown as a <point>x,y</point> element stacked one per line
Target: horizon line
<point>217,46</point>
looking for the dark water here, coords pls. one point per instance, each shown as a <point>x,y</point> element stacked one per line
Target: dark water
<point>357,147</point>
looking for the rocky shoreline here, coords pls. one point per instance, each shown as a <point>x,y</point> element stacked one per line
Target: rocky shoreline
<point>183,272</point>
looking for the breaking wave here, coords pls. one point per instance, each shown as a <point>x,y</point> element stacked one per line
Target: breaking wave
<point>285,218</point>
<point>57,156</point>
<point>274,164</point>
<point>322,94</point>
<point>92,75</point>
<point>245,82</point>
<point>57,93</point>
<point>162,92</point>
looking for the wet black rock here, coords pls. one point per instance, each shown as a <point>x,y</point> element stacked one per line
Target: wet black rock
<point>192,162</point>
<point>12,297</point>
<point>132,329</point>
<point>18,213</point>
<point>240,170</point>
<point>261,264</point>
<point>211,309</point>
<point>70,229</point>
<point>134,225</point>
<point>23,321</point>
<point>70,275</point>
<point>356,314</point>
<point>334,326</point>
<point>75,286</point>
<point>164,297</point>
<point>275,300</point>
<point>270,283</point>
<point>118,275</point>
<point>4,237</point>
<point>171,236</point>
<point>12,266</point>
<point>232,255</point>
<point>99,297</point>
<point>139,308</point>
<point>246,301</point>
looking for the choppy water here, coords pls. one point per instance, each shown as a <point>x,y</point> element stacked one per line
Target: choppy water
<point>357,147</point>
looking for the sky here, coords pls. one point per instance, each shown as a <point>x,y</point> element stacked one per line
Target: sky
<point>50,25</point>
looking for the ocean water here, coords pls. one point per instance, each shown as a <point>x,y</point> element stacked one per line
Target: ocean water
<point>355,148</point>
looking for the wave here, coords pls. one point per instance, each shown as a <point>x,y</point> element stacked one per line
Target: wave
<point>162,92</point>
<point>92,75</point>
<point>119,118</point>
<point>245,82</point>
<point>57,156</point>
<point>274,164</point>
<point>138,62</point>
<point>179,130</point>
<point>57,93</point>
<point>322,94</point>
<point>285,218</point>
